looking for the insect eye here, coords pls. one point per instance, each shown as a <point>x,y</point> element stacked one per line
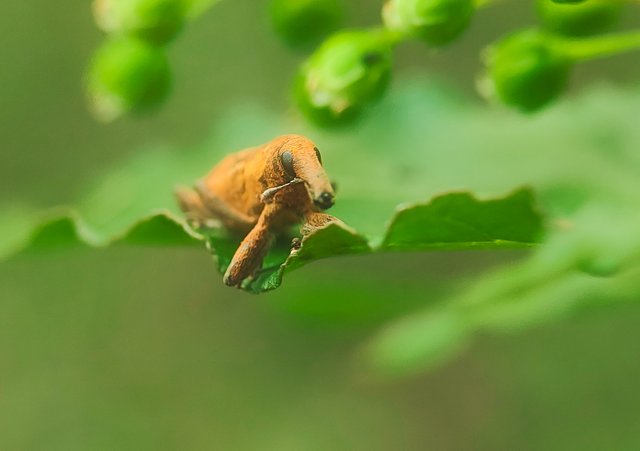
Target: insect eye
<point>286,158</point>
<point>318,154</point>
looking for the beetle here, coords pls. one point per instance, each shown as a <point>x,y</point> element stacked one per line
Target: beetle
<point>261,192</point>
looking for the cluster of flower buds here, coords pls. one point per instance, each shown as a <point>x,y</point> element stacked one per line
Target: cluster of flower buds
<point>130,72</point>
<point>303,24</point>
<point>579,18</point>
<point>352,68</point>
<point>526,70</point>
<point>529,69</point>
<point>435,22</point>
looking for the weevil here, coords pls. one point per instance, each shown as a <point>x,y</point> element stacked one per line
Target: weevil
<point>262,192</point>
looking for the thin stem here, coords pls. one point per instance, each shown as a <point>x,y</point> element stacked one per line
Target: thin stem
<point>394,38</point>
<point>484,3</point>
<point>195,8</point>
<point>600,46</point>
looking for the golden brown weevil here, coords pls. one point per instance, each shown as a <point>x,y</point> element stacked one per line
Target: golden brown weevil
<point>262,192</point>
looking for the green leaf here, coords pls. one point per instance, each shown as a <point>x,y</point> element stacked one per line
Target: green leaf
<point>329,241</point>
<point>458,220</point>
<point>65,229</point>
<point>335,240</point>
<point>133,203</point>
<point>579,158</point>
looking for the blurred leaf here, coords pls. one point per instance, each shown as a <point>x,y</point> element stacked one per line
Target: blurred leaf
<point>417,342</point>
<point>506,301</point>
<point>61,229</point>
<point>15,226</point>
<point>562,278</point>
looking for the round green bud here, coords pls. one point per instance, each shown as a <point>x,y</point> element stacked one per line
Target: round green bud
<point>348,71</point>
<point>437,22</point>
<point>527,70</point>
<point>304,23</point>
<point>587,18</point>
<point>156,21</point>
<point>600,267</point>
<point>127,74</point>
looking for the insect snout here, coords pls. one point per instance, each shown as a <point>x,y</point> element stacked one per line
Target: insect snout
<point>325,200</point>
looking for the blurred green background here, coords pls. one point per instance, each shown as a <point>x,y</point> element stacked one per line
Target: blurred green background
<point>145,349</point>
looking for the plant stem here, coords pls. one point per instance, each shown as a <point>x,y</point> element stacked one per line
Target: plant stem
<point>395,37</point>
<point>484,3</point>
<point>196,8</point>
<point>600,46</point>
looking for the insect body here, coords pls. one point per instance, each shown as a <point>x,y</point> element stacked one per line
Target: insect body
<point>261,192</point>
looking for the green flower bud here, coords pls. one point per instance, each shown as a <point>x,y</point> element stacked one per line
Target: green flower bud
<point>348,71</point>
<point>587,18</point>
<point>527,70</point>
<point>127,74</point>
<point>304,23</point>
<point>600,267</point>
<point>437,22</point>
<point>156,21</point>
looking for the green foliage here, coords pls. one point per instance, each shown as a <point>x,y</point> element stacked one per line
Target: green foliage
<point>140,346</point>
<point>156,21</point>
<point>58,230</point>
<point>527,70</point>
<point>33,233</point>
<point>127,74</point>
<point>545,288</point>
<point>437,22</point>
<point>349,70</point>
<point>587,18</point>
<point>141,193</point>
<point>459,220</point>
<point>303,23</point>
<point>416,343</point>
<point>589,256</point>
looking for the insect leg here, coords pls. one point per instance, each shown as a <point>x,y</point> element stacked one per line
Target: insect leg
<point>231,218</point>
<point>252,250</point>
<point>191,204</point>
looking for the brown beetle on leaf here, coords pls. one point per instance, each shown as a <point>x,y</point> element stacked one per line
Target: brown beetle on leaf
<point>262,192</point>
